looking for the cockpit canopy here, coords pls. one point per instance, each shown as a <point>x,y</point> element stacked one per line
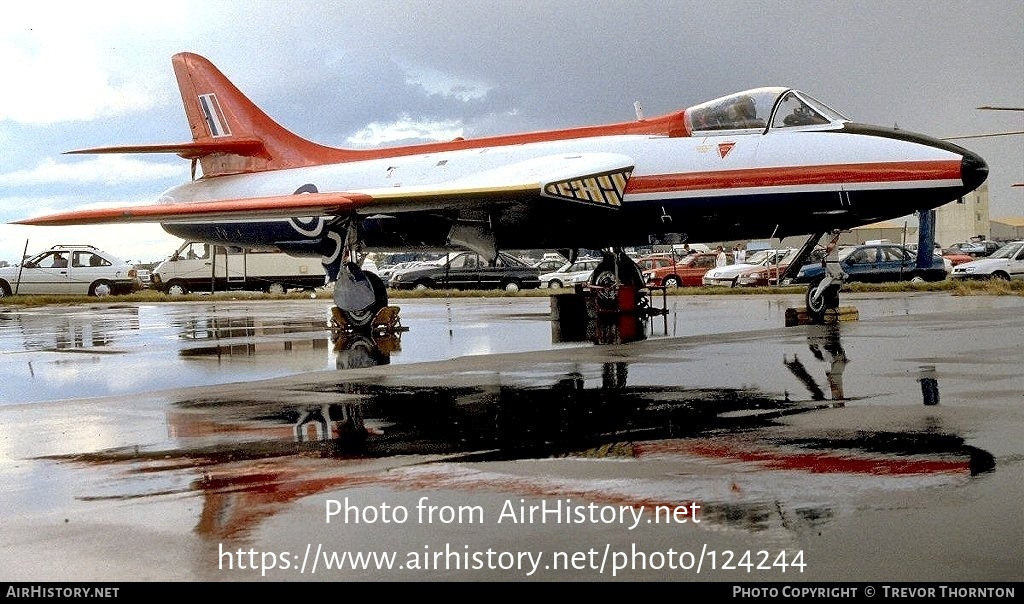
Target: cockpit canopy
<point>760,109</point>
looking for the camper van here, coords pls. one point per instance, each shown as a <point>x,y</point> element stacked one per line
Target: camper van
<point>202,267</point>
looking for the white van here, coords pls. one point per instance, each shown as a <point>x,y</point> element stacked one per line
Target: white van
<point>201,267</point>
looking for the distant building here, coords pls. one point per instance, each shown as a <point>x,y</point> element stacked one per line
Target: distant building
<point>1009,228</point>
<point>964,218</point>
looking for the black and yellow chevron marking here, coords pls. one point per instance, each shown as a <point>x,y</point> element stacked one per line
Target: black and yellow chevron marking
<point>604,189</point>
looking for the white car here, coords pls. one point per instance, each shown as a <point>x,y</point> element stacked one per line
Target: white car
<point>570,274</point>
<point>70,269</point>
<point>728,275</point>
<point>1005,263</point>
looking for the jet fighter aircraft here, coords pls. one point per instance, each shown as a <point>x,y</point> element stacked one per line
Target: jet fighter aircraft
<point>767,162</point>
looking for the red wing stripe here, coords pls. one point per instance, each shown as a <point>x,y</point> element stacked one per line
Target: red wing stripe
<point>278,206</point>
<point>803,175</point>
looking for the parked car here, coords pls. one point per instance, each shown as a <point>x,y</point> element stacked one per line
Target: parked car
<point>549,264</point>
<point>669,271</point>
<point>957,258</point>
<point>1005,263</point>
<point>976,249</point>
<point>570,273</point>
<point>765,276</point>
<point>467,270</point>
<point>877,263</point>
<point>70,269</point>
<point>386,272</point>
<point>729,275</point>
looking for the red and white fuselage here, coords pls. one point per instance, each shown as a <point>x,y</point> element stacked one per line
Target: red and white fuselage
<point>769,161</point>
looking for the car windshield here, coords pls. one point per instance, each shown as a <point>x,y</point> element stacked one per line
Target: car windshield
<point>582,265</point>
<point>767,257</point>
<point>1008,251</point>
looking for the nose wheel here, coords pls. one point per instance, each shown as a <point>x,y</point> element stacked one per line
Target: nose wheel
<point>823,294</point>
<point>822,299</point>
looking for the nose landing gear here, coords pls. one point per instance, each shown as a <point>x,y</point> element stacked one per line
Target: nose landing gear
<point>823,294</point>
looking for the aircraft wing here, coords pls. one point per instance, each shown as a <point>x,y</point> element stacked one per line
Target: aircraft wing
<point>307,204</point>
<point>595,179</point>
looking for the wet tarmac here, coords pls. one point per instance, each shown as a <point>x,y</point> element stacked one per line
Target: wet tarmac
<point>243,441</point>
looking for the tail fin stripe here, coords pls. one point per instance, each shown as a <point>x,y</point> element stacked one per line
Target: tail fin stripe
<point>214,116</point>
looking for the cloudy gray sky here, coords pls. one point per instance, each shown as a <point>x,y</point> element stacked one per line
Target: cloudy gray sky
<point>82,74</point>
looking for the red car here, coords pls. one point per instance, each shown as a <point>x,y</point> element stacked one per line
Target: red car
<point>768,275</point>
<point>956,259</point>
<point>674,272</point>
<point>761,276</point>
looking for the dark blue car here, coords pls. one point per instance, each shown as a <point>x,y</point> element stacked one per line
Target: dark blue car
<point>877,263</point>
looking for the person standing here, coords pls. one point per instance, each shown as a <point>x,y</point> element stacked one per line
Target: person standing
<point>720,258</point>
<point>739,255</point>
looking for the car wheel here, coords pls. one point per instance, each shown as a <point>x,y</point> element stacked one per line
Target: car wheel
<point>917,279</point>
<point>671,282</point>
<point>5,289</point>
<point>554,284</point>
<point>512,287</point>
<point>176,289</point>
<point>422,286</point>
<point>100,288</point>
<point>276,289</point>
<point>1000,275</point>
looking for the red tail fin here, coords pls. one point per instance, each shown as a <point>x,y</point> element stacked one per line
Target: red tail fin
<point>231,134</point>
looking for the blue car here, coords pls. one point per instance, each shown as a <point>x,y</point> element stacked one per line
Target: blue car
<point>877,263</point>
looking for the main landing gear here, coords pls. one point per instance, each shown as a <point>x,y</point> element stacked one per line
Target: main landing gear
<point>359,295</point>
<point>617,280</point>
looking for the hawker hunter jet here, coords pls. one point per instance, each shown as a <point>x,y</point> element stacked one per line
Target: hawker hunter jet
<point>768,162</point>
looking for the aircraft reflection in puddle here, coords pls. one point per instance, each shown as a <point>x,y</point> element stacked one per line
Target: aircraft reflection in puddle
<point>827,347</point>
<point>721,447</point>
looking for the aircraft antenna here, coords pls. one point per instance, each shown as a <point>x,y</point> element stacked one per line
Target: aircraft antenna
<point>639,111</point>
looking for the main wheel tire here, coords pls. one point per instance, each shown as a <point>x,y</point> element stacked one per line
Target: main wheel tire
<point>363,319</point>
<point>829,299</point>
<point>101,288</point>
<point>604,278</point>
<point>176,289</point>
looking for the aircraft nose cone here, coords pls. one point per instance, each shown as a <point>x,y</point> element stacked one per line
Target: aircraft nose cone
<point>973,171</point>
